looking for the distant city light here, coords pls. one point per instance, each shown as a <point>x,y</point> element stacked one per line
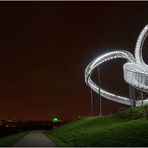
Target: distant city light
<point>55,119</point>
<point>135,71</point>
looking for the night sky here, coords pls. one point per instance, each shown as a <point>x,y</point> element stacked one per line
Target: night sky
<point>46,46</point>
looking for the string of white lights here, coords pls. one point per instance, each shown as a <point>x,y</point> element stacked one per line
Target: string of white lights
<point>135,71</point>
<point>97,62</point>
<point>139,45</point>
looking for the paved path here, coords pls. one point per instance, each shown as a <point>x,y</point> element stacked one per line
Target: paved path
<point>35,139</point>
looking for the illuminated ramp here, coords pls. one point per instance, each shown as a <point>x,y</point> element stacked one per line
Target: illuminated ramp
<point>135,71</point>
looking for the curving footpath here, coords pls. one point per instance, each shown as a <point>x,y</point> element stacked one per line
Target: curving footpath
<point>35,139</point>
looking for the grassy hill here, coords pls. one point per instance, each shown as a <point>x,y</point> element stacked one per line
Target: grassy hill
<point>12,139</point>
<point>127,128</point>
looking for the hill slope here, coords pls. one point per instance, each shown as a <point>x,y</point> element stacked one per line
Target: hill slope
<point>102,131</point>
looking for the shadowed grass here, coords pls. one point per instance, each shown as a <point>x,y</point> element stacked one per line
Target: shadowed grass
<point>12,139</point>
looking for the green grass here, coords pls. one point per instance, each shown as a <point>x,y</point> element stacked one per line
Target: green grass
<point>12,139</point>
<point>103,131</point>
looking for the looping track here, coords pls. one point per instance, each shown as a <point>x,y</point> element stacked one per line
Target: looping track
<point>138,67</point>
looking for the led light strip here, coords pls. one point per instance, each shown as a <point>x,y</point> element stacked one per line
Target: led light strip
<point>135,71</point>
<point>100,60</point>
<point>139,45</point>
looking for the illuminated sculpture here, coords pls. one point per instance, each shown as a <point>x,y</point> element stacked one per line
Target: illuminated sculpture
<point>135,71</point>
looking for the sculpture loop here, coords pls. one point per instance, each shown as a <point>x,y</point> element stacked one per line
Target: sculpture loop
<point>135,71</point>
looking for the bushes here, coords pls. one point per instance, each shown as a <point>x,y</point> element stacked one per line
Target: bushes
<point>133,113</point>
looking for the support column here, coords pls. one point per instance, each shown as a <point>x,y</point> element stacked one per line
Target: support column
<point>100,100</point>
<point>142,98</point>
<point>91,101</point>
<point>132,96</point>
